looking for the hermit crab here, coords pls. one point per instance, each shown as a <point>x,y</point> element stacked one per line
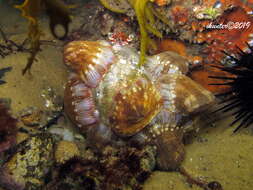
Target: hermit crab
<point>114,100</point>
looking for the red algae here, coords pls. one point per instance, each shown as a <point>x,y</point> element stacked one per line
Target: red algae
<point>229,39</point>
<point>232,40</point>
<point>180,14</point>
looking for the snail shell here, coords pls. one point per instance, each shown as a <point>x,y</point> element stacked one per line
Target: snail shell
<point>180,94</point>
<point>109,96</point>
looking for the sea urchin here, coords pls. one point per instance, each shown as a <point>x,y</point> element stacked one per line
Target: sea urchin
<point>239,98</point>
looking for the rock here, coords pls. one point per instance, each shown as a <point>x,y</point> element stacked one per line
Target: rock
<point>65,150</point>
<point>28,167</point>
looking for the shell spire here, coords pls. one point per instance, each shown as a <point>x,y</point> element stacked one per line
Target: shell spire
<point>91,60</point>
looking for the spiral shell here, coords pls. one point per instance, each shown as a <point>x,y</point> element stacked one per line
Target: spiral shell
<point>110,96</point>
<point>182,95</point>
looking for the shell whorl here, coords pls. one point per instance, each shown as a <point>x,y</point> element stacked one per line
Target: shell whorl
<point>91,60</point>
<point>79,103</point>
<point>182,95</point>
<point>166,63</point>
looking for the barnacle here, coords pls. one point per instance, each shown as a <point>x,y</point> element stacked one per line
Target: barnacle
<point>146,15</point>
<point>58,13</point>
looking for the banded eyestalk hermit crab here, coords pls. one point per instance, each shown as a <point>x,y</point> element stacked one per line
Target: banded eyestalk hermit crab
<point>114,100</point>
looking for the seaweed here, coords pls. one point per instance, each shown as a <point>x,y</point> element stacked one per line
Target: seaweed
<point>146,15</point>
<point>102,171</point>
<point>115,9</point>
<point>2,73</point>
<point>58,14</point>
